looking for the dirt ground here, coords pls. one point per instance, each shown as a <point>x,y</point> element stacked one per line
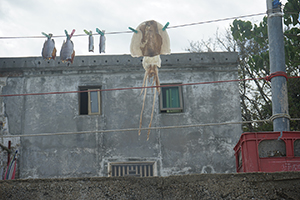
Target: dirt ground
<point>283,185</point>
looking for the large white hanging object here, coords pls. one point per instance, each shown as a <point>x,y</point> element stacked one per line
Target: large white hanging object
<point>150,40</point>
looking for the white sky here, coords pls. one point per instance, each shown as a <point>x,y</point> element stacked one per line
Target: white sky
<point>31,17</point>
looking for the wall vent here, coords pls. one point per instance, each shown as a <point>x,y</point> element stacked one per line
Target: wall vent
<point>137,169</point>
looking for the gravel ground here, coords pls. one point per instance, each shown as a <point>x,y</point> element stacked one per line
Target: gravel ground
<point>283,185</point>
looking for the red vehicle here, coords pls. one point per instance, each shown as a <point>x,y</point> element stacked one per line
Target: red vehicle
<point>268,152</point>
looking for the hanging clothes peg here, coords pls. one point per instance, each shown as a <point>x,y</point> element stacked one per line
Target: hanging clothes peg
<point>102,40</point>
<point>91,40</point>
<point>166,26</point>
<point>49,50</point>
<point>133,30</point>
<point>67,52</point>
<point>276,3</point>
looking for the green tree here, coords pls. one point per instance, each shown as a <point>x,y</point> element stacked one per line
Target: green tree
<point>292,56</point>
<point>251,42</point>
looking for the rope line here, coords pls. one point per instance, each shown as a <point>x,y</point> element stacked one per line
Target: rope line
<point>216,20</point>
<point>137,129</point>
<point>274,74</point>
<point>280,115</point>
<point>135,88</point>
<point>123,32</point>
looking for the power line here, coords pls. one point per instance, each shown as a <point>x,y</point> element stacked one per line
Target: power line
<point>216,20</point>
<point>136,129</point>
<point>267,78</point>
<point>124,32</point>
<point>152,128</point>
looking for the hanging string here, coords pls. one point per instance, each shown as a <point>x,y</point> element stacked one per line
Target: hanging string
<point>216,20</point>
<point>124,32</point>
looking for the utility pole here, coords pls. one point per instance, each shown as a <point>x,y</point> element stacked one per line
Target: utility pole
<point>280,111</point>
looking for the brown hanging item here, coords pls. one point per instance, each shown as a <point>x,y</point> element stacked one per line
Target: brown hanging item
<point>150,40</point>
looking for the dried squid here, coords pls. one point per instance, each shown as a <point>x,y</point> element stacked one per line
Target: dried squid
<point>150,40</point>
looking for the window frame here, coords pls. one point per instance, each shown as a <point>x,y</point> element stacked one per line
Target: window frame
<point>90,103</point>
<point>180,94</point>
<point>90,89</point>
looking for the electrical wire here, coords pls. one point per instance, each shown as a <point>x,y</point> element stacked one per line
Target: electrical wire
<point>137,129</point>
<point>152,128</point>
<point>123,32</point>
<point>216,20</point>
<point>135,88</point>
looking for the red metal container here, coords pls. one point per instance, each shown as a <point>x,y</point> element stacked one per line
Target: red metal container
<point>268,152</point>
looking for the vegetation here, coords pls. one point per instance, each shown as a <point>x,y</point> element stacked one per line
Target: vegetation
<point>251,42</point>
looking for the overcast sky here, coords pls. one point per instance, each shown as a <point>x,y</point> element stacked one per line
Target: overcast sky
<point>31,17</point>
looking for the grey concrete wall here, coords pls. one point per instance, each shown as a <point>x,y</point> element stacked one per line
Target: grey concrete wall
<point>191,150</point>
<point>284,185</point>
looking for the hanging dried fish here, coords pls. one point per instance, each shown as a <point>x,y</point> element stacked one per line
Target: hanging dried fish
<point>49,50</point>
<point>150,40</point>
<point>91,40</point>
<point>102,40</point>
<point>67,52</point>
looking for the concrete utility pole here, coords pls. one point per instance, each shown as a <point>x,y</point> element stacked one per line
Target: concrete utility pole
<point>280,111</point>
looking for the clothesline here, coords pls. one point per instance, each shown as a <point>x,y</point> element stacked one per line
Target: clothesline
<point>125,32</point>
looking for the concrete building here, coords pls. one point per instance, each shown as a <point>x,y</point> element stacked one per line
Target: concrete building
<point>86,140</point>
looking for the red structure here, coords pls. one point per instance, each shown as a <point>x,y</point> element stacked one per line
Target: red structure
<point>268,152</point>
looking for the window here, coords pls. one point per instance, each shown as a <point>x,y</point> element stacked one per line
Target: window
<point>271,148</point>
<point>137,169</point>
<point>90,101</point>
<point>240,161</point>
<point>171,99</point>
<point>297,148</point>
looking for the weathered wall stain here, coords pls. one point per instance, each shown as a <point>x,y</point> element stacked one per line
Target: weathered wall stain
<point>175,151</point>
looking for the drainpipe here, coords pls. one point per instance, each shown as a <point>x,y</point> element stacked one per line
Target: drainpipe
<point>8,153</point>
<point>280,112</point>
